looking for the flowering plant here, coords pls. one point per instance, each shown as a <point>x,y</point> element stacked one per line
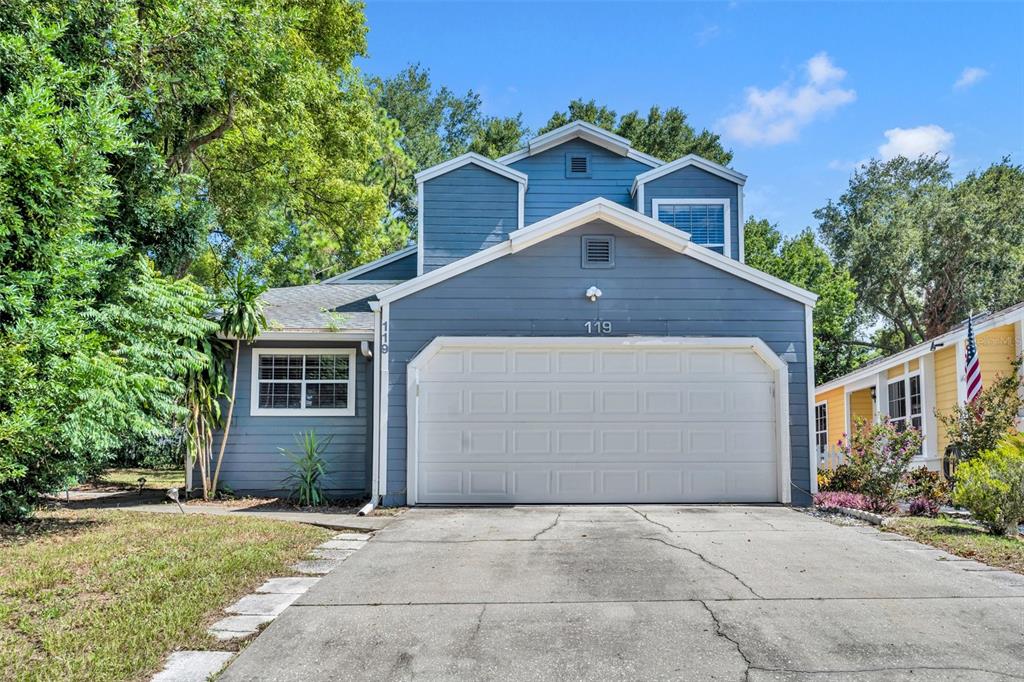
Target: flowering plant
<point>879,454</point>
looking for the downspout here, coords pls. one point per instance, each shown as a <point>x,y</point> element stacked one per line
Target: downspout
<point>375,358</point>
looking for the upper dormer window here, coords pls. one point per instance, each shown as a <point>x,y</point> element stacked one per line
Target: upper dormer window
<point>705,219</point>
<point>577,165</point>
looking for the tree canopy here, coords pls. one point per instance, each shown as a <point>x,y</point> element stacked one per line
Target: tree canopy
<point>800,260</point>
<point>926,250</point>
<point>249,135</point>
<point>436,124</point>
<point>92,337</point>
<point>666,136</point>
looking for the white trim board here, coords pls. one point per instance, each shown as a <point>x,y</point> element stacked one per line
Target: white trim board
<point>585,131</point>
<point>373,265</point>
<point>619,216</point>
<point>254,398</point>
<point>727,214</point>
<point>474,158</point>
<point>777,364</point>
<point>684,161</point>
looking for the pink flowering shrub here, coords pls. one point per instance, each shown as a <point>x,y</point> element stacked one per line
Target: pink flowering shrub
<point>879,455</point>
<point>834,499</point>
<point>924,506</point>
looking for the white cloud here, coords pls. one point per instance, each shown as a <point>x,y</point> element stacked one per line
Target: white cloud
<point>778,115</point>
<point>970,76</point>
<point>707,34</point>
<point>915,142</point>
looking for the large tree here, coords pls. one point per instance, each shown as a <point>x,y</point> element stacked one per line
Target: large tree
<point>252,137</point>
<point>92,338</point>
<point>803,262</point>
<point>925,250</point>
<point>665,135</point>
<point>436,124</point>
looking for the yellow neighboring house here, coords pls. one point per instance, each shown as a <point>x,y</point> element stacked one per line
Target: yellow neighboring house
<point>914,384</point>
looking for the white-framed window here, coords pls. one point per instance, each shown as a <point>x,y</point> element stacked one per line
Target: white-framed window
<point>707,220</point>
<point>821,427</point>
<point>906,402</point>
<point>303,381</point>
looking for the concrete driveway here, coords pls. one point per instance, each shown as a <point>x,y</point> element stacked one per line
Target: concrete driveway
<point>638,593</point>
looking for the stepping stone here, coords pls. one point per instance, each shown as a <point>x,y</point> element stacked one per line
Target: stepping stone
<point>234,627</point>
<point>192,666</point>
<point>317,566</point>
<point>337,554</point>
<point>287,585</point>
<point>342,544</point>
<point>262,604</point>
<point>352,536</point>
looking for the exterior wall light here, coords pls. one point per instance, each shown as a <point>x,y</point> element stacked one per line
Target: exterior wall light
<point>593,293</point>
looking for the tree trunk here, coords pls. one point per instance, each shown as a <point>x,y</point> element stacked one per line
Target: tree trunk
<point>231,411</point>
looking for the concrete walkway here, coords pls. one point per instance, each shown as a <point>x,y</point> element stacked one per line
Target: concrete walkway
<point>620,593</point>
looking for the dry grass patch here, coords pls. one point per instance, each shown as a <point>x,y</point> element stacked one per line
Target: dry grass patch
<point>963,539</point>
<point>106,595</point>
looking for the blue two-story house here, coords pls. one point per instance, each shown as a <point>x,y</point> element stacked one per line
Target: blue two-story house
<point>574,324</point>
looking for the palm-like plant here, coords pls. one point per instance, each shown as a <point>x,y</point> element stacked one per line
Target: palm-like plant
<point>241,319</point>
<point>204,388</point>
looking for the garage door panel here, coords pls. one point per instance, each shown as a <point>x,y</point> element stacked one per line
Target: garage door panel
<point>581,483</point>
<point>550,400</point>
<point>696,441</point>
<point>582,424</point>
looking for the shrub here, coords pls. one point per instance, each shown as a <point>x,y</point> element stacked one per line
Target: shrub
<point>978,426</point>
<point>924,506</point>
<point>837,499</point>
<point>842,478</point>
<point>922,482</point>
<point>309,469</point>
<point>991,486</point>
<point>878,456</point>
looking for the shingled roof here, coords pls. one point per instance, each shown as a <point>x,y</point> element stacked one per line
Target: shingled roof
<point>322,307</point>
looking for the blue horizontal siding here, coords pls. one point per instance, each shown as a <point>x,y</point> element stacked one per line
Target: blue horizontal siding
<point>550,192</point>
<point>397,270</point>
<point>651,291</point>
<point>465,211</point>
<point>253,463</point>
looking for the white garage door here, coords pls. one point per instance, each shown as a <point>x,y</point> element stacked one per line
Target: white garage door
<point>592,420</point>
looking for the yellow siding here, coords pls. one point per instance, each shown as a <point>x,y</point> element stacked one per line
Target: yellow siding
<point>996,349</point>
<point>945,390</point>
<point>861,406</point>
<point>914,364</point>
<point>836,400</point>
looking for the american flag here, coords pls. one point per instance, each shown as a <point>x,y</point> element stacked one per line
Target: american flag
<point>972,365</point>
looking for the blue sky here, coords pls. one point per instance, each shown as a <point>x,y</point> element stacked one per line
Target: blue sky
<point>800,92</point>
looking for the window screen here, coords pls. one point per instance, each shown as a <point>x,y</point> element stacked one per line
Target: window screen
<point>313,381</point>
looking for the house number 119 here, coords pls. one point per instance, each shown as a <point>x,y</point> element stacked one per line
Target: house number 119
<point>598,326</point>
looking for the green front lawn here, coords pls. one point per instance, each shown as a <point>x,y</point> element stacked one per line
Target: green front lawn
<point>156,479</point>
<point>106,595</point>
<point>963,539</point>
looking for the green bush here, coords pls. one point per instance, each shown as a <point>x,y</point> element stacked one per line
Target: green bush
<point>841,479</point>
<point>923,483</point>
<point>991,486</point>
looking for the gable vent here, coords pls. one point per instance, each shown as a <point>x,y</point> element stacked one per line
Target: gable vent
<point>598,251</point>
<point>577,165</point>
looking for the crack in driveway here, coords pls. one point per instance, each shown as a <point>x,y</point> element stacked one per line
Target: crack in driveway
<point>719,631</point>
